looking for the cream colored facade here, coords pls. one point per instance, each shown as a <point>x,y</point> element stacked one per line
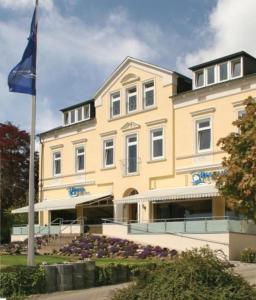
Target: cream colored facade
<point>176,114</point>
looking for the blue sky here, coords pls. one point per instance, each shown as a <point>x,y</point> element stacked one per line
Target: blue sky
<point>82,41</point>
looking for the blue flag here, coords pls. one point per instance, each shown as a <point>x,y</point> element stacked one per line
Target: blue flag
<point>22,78</point>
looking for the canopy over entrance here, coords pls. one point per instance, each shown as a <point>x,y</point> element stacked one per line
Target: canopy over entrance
<point>70,203</point>
<point>179,193</point>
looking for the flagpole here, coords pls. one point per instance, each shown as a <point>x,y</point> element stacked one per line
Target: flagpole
<point>31,191</point>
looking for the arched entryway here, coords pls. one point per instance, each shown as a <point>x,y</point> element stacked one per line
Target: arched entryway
<point>131,209</point>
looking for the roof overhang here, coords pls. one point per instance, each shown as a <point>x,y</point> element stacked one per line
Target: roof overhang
<point>172,194</point>
<point>58,204</point>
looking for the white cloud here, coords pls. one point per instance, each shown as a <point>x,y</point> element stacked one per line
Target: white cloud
<point>24,4</point>
<point>231,28</point>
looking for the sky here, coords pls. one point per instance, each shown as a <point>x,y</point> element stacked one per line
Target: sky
<point>81,42</point>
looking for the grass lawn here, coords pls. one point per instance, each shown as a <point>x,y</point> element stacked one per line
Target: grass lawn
<point>14,260</point>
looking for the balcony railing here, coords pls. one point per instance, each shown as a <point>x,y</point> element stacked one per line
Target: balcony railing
<point>131,166</point>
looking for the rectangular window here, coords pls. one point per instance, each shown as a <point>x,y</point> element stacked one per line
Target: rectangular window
<point>157,150</point>
<point>203,128</point>
<point>56,163</point>
<point>79,159</point>
<point>131,99</point>
<point>241,113</point>
<point>79,114</point>
<point>211,75</point>
<point>108,156</point>
<point>131,154</point>
<point>236,68</point>
<point>115,105</point>
<point>149,91</point>
<point>72,116</point>
<point>66,118</point>
<point>223,69</point>
<point>199,78</point>
<point>87,112</point>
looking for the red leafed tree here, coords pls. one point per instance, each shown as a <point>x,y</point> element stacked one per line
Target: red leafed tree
<point>14,172</point>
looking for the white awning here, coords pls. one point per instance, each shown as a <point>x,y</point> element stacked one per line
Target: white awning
<point>179,193</point>
<point>57,204</point>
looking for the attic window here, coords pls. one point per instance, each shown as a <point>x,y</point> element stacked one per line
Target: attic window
<point>236,68</point>
<point>200,78</point>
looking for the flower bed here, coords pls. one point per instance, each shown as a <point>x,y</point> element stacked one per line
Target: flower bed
<point>94,246</point>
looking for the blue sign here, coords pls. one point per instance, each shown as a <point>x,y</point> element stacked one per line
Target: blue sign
<point>202,177</point>
<point>76,191</point>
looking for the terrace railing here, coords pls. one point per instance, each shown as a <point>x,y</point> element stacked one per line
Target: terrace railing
<point>188,225</point>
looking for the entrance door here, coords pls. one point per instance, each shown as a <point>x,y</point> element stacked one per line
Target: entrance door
<point>133,212</point>
<point>131,154</point>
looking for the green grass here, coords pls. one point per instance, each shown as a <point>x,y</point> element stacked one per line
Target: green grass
<point>15,260</point>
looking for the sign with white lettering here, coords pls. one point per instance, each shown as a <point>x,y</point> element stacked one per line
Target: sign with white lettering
<point>202,177</point>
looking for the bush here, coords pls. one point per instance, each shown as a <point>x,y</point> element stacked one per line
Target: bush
<point>22,280</point>
<point>248,255</point>
<point>198,274</point>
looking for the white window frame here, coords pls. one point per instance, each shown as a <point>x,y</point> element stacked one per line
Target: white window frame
<point>82,116</point>
<point>66,113</point>
<point>152,139</point>
<point>201,120</point>
<point>126,153</point>
<point>128,111</point>
<point>144,94</point>
<point>228,71</point>
<point>73,110</point>
<point>89,112</point>
<point>105,147</point>
<point>112,100</point>
<point>195,78</point>
<point>214,71</point>
<point>54,159</point>
<point>76,158</point>
<point>240,59</point>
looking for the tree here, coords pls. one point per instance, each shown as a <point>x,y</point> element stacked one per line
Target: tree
<point>14,173</point>
<point>237,184</point>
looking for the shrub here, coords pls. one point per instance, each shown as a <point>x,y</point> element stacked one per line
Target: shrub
<point>198,274</point>
<point>22,280</point>
<point>248,255</point>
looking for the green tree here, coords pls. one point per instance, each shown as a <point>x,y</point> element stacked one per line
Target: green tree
<point>237,184</point>
<point>14,173</point>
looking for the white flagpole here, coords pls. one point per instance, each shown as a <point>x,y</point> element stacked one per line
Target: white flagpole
<point>31,189</point>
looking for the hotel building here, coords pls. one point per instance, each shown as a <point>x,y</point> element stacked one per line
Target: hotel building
<point>142,153</point>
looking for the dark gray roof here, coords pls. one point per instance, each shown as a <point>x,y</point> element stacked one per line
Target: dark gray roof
<point>77,105</point>
<point>221,59</point>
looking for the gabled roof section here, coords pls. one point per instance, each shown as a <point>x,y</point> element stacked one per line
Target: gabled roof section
<point>128,60</point>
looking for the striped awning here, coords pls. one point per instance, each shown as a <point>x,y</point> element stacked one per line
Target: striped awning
<point>172,194</point>
<point>57,204</point>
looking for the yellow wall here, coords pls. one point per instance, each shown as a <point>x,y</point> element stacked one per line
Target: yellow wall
<point>175,116</point>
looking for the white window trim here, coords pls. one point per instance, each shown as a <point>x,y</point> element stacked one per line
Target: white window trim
<point>53,163</point>
<point>104,165</point>
<point>228,71</point>
<point>83,110</point>
<point>206,75</point>
<point>70,116</point>
<point>126,173</point>
<point>112,100</point>
<point>76,158</point>
<point>152,139</point>
<point>197,121</point>
<point>241,67</point>
<point>195,78</point>
<point>130,95</point>
<point>144,93</point>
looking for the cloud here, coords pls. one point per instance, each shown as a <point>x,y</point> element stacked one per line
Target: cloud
<point>231,28</point>
<point>25,4</point>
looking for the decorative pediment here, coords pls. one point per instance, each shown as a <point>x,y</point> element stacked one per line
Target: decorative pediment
<point>130,126</point>
<point>129,78</point>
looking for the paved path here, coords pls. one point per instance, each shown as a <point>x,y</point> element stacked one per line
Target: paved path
<point>97,293</point>
<point>247,271</point>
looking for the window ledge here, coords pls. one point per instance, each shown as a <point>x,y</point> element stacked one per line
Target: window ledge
<point>108,168</point>
<point>132,114</point>
<point>156,160</point>
<point>130,175</point>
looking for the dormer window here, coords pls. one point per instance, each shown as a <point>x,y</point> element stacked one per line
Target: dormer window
<point>223,71</point>
<point>77,114</point>
<point>211,75</point>
<point>236,68</point>
<point>199,78</point>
